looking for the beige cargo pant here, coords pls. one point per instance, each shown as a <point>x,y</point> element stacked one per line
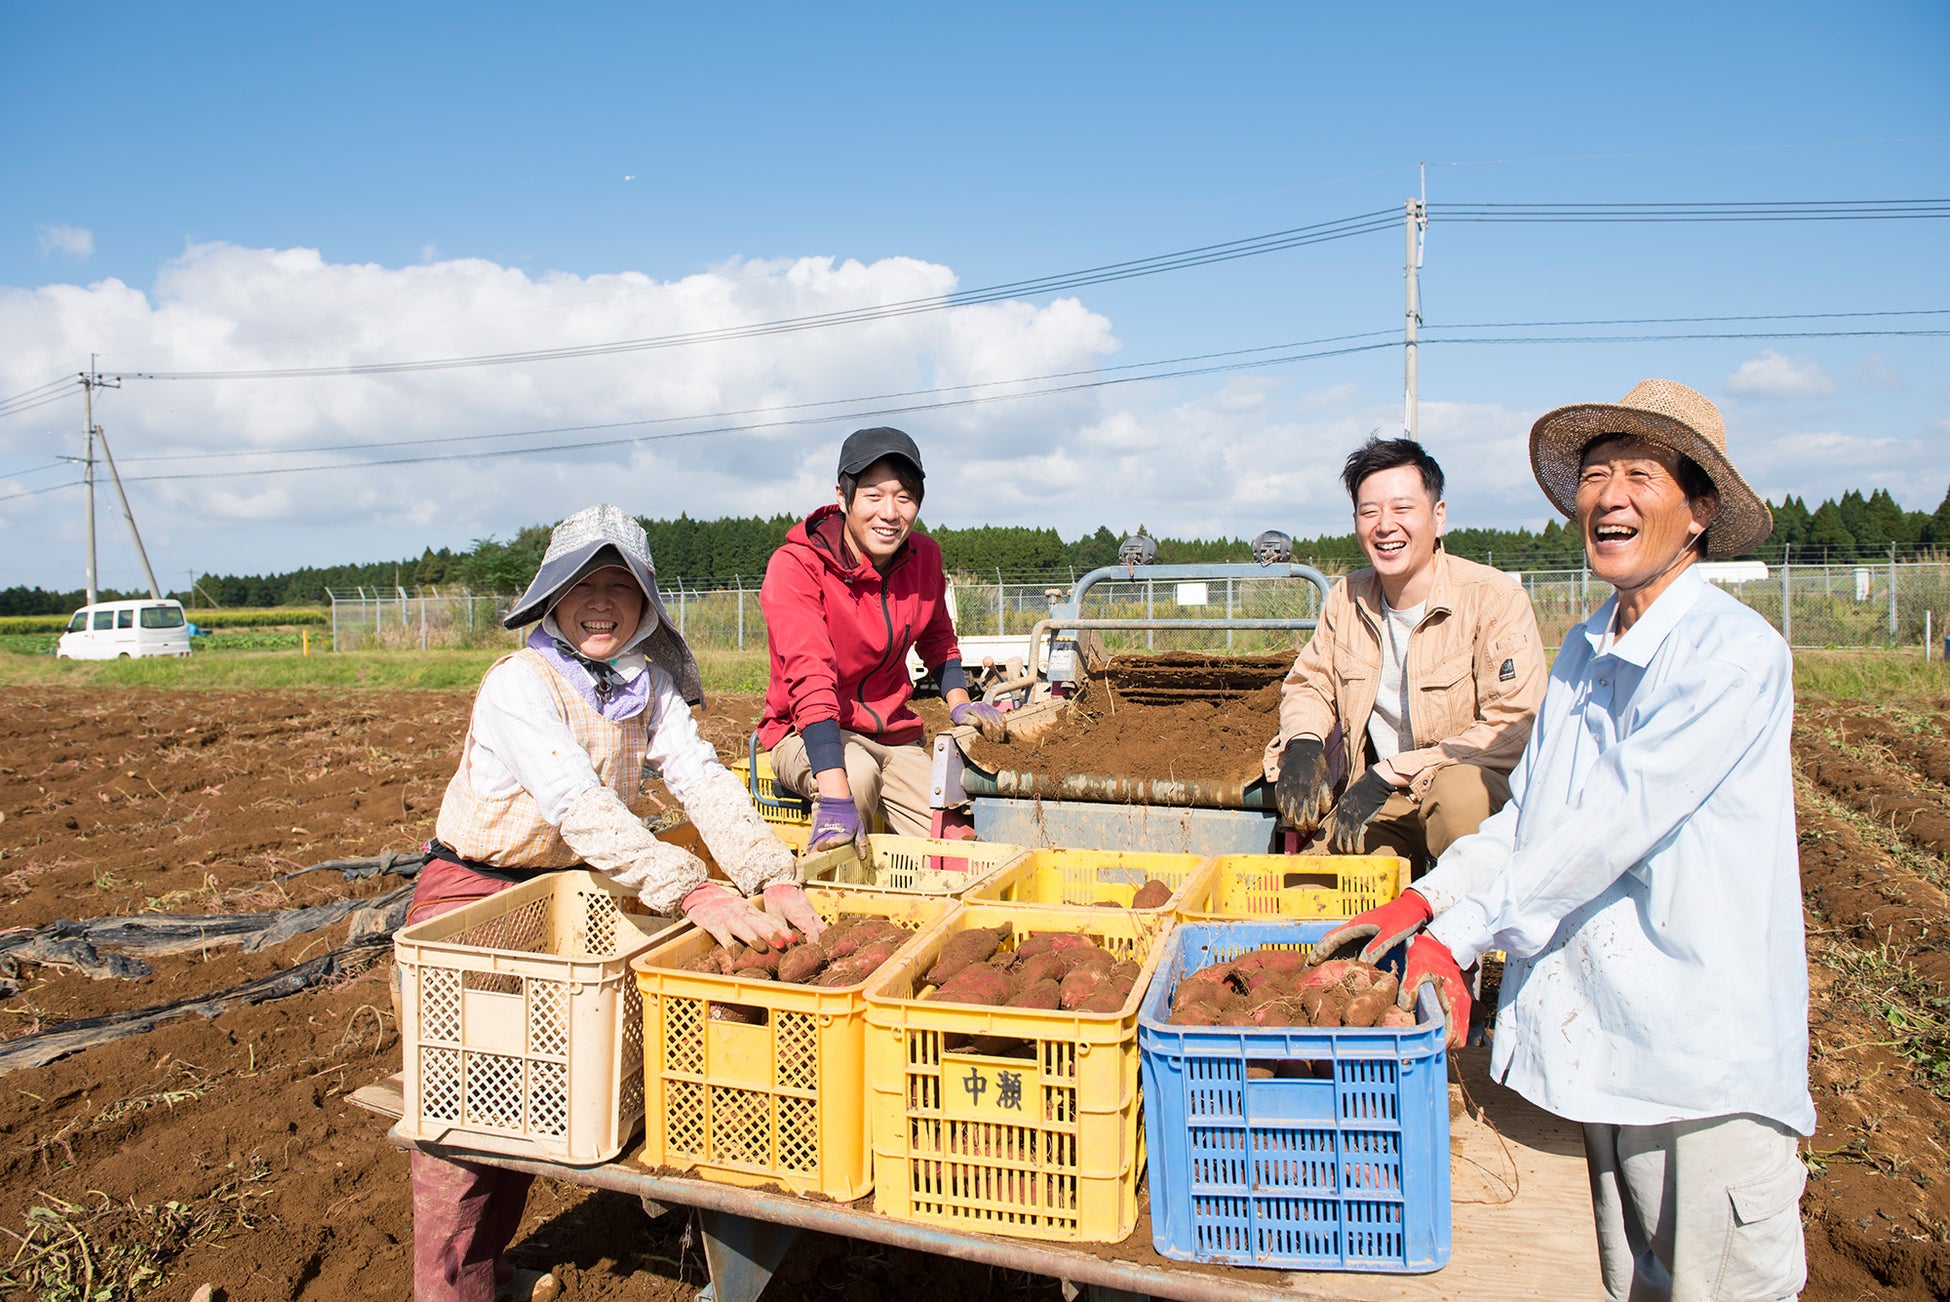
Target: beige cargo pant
<point>1458,799</point>
<point>892,780</point>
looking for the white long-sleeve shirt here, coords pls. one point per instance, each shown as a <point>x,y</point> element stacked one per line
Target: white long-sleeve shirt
<point>1644,880</point>
<point>521,740</point>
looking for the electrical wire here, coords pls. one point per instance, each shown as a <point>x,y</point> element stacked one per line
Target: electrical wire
<point>1684,320</point>
<point>751,411</point>
<point>1205,255</point>
<point>29,406</point>
<point>977,400</point>
<point>55,383</point>
<point>1781,210</point>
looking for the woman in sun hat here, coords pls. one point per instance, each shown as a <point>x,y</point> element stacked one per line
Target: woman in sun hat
<point>550,777</point>
<point>1644,879</point>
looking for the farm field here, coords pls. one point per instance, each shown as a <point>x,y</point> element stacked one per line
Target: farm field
<point>223,1150</point>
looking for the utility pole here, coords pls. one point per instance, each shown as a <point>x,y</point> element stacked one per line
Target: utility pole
<point>155,589</point>
<point>1415,225</point>
<point>90,382</point>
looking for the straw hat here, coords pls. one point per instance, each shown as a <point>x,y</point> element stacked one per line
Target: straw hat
<point>592,539</point>
<point>1674,417</point>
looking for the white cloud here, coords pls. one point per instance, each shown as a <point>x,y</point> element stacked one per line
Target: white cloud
<point>76,242</point>
<point>1772,375</point>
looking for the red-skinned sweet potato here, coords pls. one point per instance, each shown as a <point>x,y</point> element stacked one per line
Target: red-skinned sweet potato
<point>801,963</point>
<point>964,948</point>
<point>1154,894</point>
<point>1044,994</point>
<point>977,984</point>
<point>1084,981</point>
<point>1038,941</point>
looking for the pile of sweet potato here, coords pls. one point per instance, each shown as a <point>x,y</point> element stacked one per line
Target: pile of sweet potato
<point>1275,987</point>
<point>846,953</point>
<point>1049,969</point>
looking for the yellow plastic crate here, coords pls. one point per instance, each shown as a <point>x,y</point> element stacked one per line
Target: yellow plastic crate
<point>909,863</point>
<point>520,1024</point>
<point>781,814</point>
<point>782,1103</point>
<point>1244,886</point>
<point>1093,877</point>
<point>1046,1146</point>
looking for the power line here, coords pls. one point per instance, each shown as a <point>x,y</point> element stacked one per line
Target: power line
<point>1683,320</point>
<point>1205,255</point>
<point>54,383</point>
<point>973,400</point>
<point>752,411</point>
<point>1770,210</point>
<point>18,408</point>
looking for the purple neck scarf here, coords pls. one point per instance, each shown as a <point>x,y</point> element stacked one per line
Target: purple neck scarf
<point>594,681</point>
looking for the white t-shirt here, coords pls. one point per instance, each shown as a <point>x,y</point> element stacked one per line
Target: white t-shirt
<point>1390,730</point>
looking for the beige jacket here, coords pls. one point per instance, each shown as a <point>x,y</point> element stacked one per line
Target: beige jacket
<point>1475,672</point>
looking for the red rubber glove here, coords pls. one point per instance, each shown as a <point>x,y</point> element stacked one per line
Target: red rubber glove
<point>1431,964</point>
<point>728,916</point>
<point>786,901</point>
<point>1382,928</point>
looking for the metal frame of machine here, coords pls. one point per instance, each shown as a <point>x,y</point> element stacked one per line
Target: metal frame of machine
<point>1114,811</point>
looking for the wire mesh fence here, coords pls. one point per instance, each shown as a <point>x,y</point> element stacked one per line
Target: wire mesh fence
<point>1843,604</point>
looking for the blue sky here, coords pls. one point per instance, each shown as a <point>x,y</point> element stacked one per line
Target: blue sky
<point>460,173</point>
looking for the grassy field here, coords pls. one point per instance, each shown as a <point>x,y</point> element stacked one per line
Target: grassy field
<point>725,671</point>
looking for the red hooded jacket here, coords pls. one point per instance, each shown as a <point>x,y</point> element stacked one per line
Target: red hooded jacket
<point>840,630</point>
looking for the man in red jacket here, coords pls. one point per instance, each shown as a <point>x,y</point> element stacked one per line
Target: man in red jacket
<point>850,591</point>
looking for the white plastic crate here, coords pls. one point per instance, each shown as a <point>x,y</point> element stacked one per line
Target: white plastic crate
<point>521,1024</point>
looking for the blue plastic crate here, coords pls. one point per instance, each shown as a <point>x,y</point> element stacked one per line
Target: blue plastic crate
<point>1344,1170</point>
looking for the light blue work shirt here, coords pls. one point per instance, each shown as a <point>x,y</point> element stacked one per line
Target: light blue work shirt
<point>1643,879</point>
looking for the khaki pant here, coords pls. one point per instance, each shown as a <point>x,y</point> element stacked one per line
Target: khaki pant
<point>1457,801</point>
<point>1698,1211</point>
<point>891,779</point>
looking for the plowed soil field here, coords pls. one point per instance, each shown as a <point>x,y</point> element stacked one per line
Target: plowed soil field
<point>222,1150</point>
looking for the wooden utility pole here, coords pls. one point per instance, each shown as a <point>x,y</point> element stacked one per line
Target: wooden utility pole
<point>90,382</point>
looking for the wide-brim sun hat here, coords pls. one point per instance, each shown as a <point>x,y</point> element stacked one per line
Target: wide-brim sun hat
<point>1672,416</point>
<point>595,538</point>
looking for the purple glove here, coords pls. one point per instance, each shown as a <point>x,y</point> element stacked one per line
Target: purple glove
<point>729,917</point>
<point>1431,964</point>
<point>834,823</point>
<point>786,901</point>
<point>1382,927</point>
<point>980,715</point>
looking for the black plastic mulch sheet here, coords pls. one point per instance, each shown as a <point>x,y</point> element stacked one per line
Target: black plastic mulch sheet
<point>72,1037</point>
<point>78,945</point>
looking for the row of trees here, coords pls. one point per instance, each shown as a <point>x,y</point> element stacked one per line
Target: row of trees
<point>712,552</point>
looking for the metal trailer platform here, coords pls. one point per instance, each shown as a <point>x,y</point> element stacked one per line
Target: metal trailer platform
<point>1521,1221</point>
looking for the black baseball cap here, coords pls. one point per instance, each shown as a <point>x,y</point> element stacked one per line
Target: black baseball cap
<point>863,447</point>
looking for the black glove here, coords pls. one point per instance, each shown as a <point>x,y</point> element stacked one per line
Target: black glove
<point>1358,805</point>
<point>1302,793</point>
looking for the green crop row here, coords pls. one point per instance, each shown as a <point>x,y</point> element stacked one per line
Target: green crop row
<point>275,617</point>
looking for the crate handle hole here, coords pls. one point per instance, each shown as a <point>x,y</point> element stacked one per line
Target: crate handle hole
<point>741,1014</point>
<point>1317,881</point>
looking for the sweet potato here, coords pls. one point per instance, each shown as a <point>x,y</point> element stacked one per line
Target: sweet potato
<point>1048,965</point>
<point>801,963</point>
<point>974,946</point>
<point>1198,993</point>
<point>713,960</point>
<point>1039,941</point>
<point>1398,1019</point>
<point>1107,1000</point>
<point>1083,982</point>
<point>1196,1014</point>
<point>976,984</point>
<point>1365,1009</point>
<point>1044,994</point>
<point>1154,894</point>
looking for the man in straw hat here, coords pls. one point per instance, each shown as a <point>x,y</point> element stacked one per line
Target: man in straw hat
<point>1643,878</point>
<point>551,776</point>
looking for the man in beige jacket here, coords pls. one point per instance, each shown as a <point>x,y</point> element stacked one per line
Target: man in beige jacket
<point>1415,694</point>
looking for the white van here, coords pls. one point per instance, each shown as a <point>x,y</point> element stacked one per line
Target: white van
<point>118,630</point>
